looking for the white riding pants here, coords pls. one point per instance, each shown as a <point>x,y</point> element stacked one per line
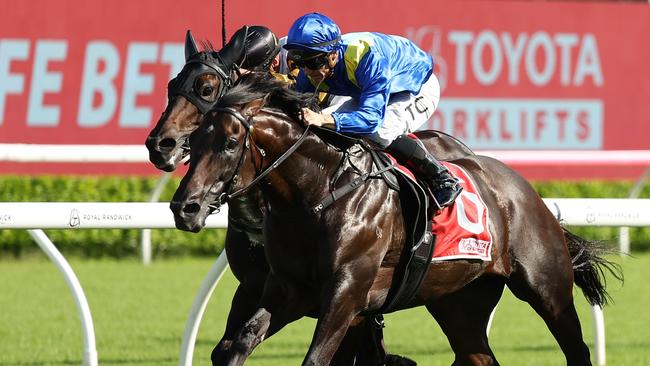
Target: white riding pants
<point>405,112</point>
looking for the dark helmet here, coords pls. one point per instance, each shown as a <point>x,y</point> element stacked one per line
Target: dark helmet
<point>261,47</point>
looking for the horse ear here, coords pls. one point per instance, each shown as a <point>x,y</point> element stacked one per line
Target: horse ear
<point>252,108</point>
<point>190,45</point>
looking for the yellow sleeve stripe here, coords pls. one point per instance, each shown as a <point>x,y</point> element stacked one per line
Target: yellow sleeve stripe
<point>353,55</point>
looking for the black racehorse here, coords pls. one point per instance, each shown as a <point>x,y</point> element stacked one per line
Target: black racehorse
<point>340,262</point>
<point>206,76</point>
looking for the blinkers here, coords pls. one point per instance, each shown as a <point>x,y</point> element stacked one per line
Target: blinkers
<point>198,64</point>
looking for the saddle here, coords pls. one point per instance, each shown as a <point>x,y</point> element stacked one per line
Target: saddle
<point>415,200</point>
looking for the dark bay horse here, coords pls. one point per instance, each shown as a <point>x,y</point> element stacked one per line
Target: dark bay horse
<point>341,262</point>
<point>205,77</point>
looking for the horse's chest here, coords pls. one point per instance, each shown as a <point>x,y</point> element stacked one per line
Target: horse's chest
<point>292,254</point>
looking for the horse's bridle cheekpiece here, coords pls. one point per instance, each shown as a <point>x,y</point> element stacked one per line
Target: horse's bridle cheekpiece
<point>248,125</point>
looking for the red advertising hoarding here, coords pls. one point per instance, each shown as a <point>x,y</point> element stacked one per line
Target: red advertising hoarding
<point>515,74</point>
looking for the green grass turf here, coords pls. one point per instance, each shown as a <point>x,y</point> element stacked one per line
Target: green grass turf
<point>139,315</point>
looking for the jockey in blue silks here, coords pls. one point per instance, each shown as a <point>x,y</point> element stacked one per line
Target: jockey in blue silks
<point>391,86</point>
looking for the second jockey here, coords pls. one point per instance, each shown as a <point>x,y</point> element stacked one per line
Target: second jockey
<point>392,85</point>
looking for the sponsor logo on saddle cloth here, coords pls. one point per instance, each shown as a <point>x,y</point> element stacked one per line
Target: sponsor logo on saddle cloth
<point>461,229</point>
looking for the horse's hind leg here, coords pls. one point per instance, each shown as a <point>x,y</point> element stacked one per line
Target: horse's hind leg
<point>363,345</point>
<point>545,281</point>
<point>463,317</point>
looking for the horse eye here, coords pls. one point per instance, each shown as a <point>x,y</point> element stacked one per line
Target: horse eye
<point>231,144</point>
<point>206,92</point>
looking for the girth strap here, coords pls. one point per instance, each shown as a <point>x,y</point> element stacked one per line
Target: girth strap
<point>417,259</point>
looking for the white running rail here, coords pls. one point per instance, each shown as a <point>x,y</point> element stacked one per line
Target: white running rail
<point>33,153</point>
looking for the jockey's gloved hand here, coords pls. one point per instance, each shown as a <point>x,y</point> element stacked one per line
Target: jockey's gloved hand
<point>318,119</point>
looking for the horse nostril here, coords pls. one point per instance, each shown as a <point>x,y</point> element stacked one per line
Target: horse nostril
<point>191,208</point>
<point>167,144</point>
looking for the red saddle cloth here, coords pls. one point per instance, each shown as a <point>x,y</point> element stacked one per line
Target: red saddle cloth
<point>461,229</point>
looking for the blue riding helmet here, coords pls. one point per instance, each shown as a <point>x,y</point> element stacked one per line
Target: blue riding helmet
<point>313,32</point>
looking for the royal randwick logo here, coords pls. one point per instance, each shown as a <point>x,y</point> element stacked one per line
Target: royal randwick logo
<point>74,218</point>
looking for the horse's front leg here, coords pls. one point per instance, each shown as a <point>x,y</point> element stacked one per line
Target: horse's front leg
<point>341,300</point>
<point>248,264</point>
<point>280,305</point>
<point>244,306</point>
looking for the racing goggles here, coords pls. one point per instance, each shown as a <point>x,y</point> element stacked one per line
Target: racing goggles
<point>309,59</point>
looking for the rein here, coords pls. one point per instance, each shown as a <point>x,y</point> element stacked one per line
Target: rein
<point>259,176</point>
<point>324,203</point>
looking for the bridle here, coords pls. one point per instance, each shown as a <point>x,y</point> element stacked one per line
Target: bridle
<point>200,64</point>
<point>183,84</point>
<point>248,141</point>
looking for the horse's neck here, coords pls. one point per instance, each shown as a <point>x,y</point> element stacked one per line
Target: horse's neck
<point>248,209</point>
<point>305,177</point>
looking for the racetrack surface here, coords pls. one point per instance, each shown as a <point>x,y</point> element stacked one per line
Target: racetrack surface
<point>139,314</point>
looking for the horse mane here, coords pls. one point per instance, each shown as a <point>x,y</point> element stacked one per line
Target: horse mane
<point>257,85</point>
<point>207,46</point>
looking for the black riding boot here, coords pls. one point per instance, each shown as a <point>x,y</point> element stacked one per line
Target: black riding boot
<point>409,152</point>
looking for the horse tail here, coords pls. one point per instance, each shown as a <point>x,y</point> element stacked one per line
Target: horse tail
<point>589,267</point>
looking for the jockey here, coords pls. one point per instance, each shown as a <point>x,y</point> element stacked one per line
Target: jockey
<point>264,52</point>
<point>262,48</point>
<point>392,85</point>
